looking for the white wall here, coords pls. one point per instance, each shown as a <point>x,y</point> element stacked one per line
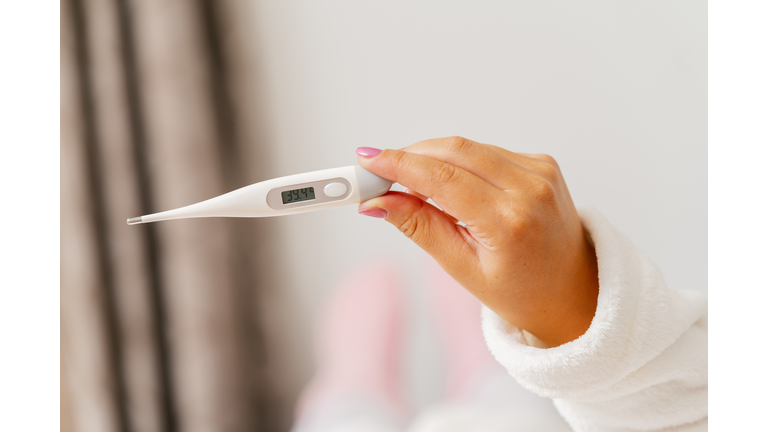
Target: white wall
<point>615,91</point>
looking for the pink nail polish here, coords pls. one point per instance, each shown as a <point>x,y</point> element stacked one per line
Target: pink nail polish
<point>375,212</point>
<point>367,152</point>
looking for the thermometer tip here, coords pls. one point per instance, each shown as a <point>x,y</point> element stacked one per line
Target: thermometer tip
<point>135,220</point>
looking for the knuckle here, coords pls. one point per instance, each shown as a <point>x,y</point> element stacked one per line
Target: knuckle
<point>546,158</point>
<point>550,173</point>
<point>398,158</point>
<point>550,170</point>
<point>414,228</point>
<point>517,228</point>
<point>445,173</point>
<point>409,226</point>
<point>544,190</point>
<point>457,144</point>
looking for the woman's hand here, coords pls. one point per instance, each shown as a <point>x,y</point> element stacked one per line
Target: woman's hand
<point>523,252</point>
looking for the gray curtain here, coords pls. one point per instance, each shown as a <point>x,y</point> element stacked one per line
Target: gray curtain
<point>161,323</point>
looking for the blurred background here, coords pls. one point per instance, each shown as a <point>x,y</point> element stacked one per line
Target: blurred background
<point>206,325</point>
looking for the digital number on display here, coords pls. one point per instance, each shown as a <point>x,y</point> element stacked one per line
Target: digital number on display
<point>297,195</point>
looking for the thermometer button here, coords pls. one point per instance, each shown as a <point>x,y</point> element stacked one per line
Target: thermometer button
<point>334,190</point>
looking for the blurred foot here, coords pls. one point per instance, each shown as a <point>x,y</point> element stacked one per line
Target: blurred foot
<point>468,360</point>
<point>358,347</point>
<point>479,393</point>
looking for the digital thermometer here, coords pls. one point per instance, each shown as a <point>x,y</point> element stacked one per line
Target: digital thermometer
<point>293,194</point>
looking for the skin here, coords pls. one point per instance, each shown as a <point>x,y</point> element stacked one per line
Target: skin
<point>523,252</point>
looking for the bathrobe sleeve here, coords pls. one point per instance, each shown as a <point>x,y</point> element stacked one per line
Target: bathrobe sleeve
<point>641,365</point>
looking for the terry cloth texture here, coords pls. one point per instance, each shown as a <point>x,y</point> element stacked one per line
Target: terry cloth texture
<point>641,366</point>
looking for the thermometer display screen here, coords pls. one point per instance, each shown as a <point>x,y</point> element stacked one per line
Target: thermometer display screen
<point>296,195</point>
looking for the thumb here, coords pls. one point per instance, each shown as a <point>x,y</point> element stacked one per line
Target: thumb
<point>426,225</point>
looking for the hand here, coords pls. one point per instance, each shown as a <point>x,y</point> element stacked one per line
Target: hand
<point>522,252</point>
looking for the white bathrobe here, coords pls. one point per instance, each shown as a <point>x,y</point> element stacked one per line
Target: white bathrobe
<point>641,366</point>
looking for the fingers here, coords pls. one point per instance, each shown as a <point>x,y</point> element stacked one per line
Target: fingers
<point>460,193</point>
<point>482,160</point>
<point>533,162</point>
<point>497,166</point>
<point>427,226</point>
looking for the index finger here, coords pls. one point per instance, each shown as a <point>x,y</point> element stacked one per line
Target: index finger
<point>482,160</point>
<point>458,192</point>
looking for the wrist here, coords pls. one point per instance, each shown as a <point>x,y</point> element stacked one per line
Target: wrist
<point>569,313</point>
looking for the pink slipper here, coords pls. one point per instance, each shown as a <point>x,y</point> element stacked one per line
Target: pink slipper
<point>358,345</point>
<point>457,314</point>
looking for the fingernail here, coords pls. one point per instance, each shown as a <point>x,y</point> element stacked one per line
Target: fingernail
<point>367,152</point>
<point>375,212</point>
